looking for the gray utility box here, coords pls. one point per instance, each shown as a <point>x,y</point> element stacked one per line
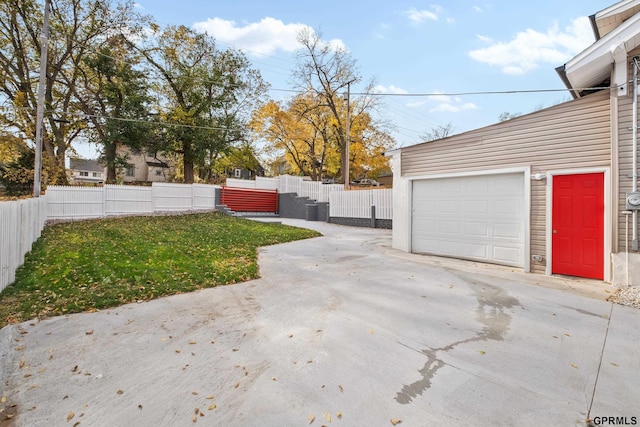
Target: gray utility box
<point>633,201</point>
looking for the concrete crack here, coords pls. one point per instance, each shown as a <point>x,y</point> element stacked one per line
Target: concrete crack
<point>595,384</point>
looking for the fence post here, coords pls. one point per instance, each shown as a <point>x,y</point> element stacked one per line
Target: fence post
<point>373,216</point>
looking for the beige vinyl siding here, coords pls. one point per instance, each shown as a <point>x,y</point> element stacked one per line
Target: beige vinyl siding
<point>625,156</point>
<point>572,135</point>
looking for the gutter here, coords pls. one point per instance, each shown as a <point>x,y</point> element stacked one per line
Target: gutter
<point>562,72</point>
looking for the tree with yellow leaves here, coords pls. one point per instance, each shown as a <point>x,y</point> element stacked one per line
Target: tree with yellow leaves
<point>310,130</point>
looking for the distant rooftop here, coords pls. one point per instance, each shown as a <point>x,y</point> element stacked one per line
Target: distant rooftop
<point>85,165</point>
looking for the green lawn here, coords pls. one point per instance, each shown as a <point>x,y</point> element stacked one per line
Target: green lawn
<point>90,265</point>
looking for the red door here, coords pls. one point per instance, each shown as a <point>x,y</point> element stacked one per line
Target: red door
<point>577,240</point>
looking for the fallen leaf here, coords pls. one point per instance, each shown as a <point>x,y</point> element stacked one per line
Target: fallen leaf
<point>573,366</point>
<point>195,418</point>
<point>290,335</point>
<point>89,332</point>
<point>339,414</point>
<point>395,421</point>
<point>195,393</point>
<point>22,363</point>
<point>3,399</point>
<point>192,342</point>
<point>139,406</point>
<point>76,424</point>
<point>327,416</point>
<point>341,389</point>
<point>197,411</point>
<point>120,391</point>
<point>371,331</point>
<point>311,418</point>
<point>212,407</point>
<point>482,352</point>
<point>70,416</point>
<point>177,351</point>
<point>20,348</point>
<point>210,397</point>
<point>614,364</point>
<point>273,378</point>
<point>237,385</point>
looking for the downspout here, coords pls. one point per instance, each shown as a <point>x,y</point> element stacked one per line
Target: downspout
<point>634,150</point>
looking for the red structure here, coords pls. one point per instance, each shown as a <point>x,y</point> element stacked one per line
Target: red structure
<point>249,200</point>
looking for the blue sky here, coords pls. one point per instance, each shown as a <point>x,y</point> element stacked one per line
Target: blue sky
<point>411,47</point>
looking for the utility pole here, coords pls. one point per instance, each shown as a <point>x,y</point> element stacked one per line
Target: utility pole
<point>347,142</point>
<point>44,41</point>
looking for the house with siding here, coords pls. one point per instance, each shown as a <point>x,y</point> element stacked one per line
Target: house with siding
<point>545,192</point>
<point>145,167</point>
<point>86,171</point>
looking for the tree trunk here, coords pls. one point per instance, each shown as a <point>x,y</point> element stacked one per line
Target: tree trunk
<point>187,162</point>
<point>110,160</point>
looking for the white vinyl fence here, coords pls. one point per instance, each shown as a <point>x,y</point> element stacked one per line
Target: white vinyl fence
<point>314,190</point>
<point>357,204</point>
<point>345,204</point>
<point>118,200</point>
<point>21,222</point>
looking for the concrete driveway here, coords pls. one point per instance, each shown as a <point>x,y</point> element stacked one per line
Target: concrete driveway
<point>340,330</point>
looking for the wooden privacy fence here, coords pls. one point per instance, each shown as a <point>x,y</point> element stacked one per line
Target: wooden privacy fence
<point>21,222</point>
<point>250,200</point>
<point>118,200</point>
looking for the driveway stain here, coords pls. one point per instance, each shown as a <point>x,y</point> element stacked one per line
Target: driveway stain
<point>491,312</point>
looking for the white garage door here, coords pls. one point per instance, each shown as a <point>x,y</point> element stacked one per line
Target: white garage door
<point>473,217</point>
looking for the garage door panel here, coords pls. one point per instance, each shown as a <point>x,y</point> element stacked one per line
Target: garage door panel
<point>475,251</point>
<point>512,231</point>
<point>476,229</point>
<point>507,255</point>
<point>473,217</point>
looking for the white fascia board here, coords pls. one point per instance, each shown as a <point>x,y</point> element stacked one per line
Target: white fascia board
<point>593,65</point>
<point>617,9</point>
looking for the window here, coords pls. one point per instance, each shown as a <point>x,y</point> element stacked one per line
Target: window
<point>83,173</point>
<point>131,170</point>
<point>237,173</point>
<point>96,174</point>
<point>158,172</point>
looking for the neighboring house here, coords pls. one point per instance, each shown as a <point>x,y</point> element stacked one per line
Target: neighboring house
<point>243,173</point>
<point>145,167</point>
<point>386,179</point>
<point>85,171</point>
<point>546,191</point>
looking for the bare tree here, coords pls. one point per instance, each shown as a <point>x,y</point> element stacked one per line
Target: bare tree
<point>438,132</point>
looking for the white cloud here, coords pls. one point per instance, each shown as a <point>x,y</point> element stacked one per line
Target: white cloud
<point>260,38</point>
<point>530,48</point>
<point>138,6</point>
<point>389,89</point>
<point>484,39</point>
<point>453,108</point>
<point>414,104</point>
<point>478,9</point>
<point>417,17</point>
<point>449,104</point>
